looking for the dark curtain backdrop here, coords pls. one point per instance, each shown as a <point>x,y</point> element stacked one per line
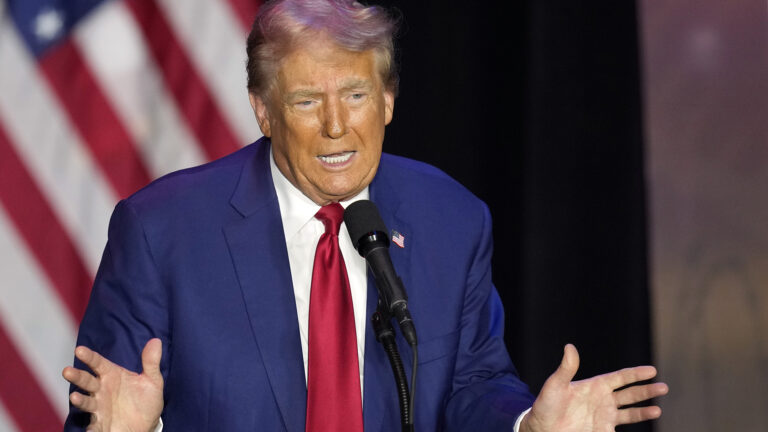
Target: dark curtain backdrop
<point>535,106</point>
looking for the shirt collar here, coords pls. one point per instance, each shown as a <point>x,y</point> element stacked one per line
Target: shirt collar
<point>296,209</point>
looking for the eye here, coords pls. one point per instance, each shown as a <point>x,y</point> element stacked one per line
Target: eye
<point>357,98</point>
<point>305,104</point>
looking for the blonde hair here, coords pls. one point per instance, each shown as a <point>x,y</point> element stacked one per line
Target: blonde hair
<point>282,24</point>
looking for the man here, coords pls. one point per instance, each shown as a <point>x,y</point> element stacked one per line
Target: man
<point>216,269</point>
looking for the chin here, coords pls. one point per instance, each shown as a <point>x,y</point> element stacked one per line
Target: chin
<point>342,187</point>
<point>340,194</point>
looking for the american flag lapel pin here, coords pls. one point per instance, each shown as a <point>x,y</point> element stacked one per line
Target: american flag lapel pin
<point>398,239</point>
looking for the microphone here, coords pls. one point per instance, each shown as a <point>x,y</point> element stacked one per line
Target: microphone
<point>369,236</point>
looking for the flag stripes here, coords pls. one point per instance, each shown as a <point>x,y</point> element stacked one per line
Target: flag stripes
<point>53,152</point>
<point>41,231</point>
<point>219,54</point>
<point>26,403</point>
<point>190,92</point>
<point>92,115</point>
<point>38,323</point>
<point>5,420</point>
<point>135,87</point>
<point>96,100</point>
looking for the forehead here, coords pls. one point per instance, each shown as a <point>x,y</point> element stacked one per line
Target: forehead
<point>321,64</point>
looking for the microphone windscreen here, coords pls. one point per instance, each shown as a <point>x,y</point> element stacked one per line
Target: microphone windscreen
<point>361,218</point>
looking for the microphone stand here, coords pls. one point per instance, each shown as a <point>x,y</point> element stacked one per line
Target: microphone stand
<point>369,236</point>
<point>385,334</point>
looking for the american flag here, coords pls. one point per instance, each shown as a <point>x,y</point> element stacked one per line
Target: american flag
<point>97,98</point>
<point>398,238</point>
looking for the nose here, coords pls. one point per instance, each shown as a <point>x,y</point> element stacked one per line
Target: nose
<point>335,125</point>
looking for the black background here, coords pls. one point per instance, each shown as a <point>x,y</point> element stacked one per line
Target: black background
<point>535,107</point>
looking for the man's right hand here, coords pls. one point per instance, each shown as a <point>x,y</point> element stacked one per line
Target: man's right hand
<point>118,399</point>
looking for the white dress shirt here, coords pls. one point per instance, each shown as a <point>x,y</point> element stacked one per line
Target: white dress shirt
<point>302,232</point>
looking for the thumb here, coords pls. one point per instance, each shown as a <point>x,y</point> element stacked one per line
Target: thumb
<point>150,358</point>
<point>568,366</point>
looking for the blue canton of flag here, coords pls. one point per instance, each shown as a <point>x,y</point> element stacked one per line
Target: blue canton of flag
<point>42,23</point>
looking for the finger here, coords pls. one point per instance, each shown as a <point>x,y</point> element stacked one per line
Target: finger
<point>568,366</point>
<point>81,378</point>
<point>94,360</point>
<point>628,376</point>
<point>635,394</point>
<point>85,403</point>
<point>636,415</point>
<point>150,358</point>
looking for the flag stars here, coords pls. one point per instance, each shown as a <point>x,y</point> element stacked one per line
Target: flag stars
<point>48,24</point>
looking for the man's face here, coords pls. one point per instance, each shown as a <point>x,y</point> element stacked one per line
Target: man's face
<point>326,115</point>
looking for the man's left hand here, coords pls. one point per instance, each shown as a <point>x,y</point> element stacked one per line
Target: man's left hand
<point>593,404</point>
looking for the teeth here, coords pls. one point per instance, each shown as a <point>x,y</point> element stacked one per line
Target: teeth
<point>336,159</point>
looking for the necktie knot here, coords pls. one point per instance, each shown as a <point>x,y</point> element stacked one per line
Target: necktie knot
<point>331,216</point>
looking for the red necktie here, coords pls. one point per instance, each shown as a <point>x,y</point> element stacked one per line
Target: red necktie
<point>333,377</point>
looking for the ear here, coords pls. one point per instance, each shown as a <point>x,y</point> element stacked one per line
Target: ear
<point>389,106</point>
<point>262,114</point>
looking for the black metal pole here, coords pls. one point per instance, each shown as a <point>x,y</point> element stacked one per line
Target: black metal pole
<point>385,334</point>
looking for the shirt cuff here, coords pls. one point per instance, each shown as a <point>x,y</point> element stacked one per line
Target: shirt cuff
<point>517,423</point>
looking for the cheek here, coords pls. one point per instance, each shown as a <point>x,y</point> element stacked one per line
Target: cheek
<point>370,126</point>
<point>299,142</point>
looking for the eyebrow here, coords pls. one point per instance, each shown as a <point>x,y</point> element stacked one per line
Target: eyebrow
<point>357,83</point>
<point>303,93</point>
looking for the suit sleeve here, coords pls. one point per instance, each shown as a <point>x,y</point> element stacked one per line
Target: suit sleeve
<point>128,304</point>
<point>487,393</point>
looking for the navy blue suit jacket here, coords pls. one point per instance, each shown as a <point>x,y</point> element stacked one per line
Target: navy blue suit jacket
<point>198,259</point>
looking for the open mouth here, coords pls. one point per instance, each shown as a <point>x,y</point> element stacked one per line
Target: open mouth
<point>336,158</point>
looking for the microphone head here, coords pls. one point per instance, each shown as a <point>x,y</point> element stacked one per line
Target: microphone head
<point>364,224</point>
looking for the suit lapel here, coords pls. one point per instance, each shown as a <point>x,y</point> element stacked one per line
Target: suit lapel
<point>395,215</point>
<point>259,254</point>
<point>380,404</point>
